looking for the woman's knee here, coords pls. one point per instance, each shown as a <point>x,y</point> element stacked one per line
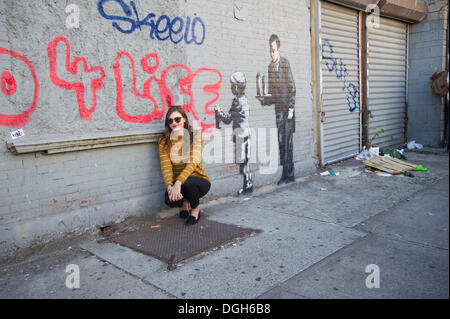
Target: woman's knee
<point>195,188</point>
<point>204,189</point>
<point>188,189</point>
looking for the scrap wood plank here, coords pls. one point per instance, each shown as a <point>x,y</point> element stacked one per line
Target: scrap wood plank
<point>402,163</point>
<point>378,163</point>
<point>381,166</point>
<point>390,165</point>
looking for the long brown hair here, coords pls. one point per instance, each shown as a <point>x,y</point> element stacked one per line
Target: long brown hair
<point>168,130</point>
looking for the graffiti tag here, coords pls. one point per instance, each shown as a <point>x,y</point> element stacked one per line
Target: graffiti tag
<point>165,96</point>
<point>72,67</point>
<point>161,28</point>
<point>340,69</point>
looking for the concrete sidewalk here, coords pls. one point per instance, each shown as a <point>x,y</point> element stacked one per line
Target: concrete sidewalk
<point>318,235</point>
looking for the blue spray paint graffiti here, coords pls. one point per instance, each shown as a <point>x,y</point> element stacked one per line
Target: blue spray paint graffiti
<point>161,28</point>
<point>341,72</point>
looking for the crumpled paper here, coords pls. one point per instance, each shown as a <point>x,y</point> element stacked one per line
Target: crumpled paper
<point>368,154</point>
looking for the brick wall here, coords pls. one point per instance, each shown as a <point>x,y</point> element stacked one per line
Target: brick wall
<point>426,55</point>
<point>46,196</point>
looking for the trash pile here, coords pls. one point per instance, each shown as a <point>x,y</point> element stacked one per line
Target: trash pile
<point>373,152</point>
<point>385,162</point>
<point>388,162</point>
<point>393,153</point>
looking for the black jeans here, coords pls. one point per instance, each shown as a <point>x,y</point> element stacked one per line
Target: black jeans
<point>192,190</point>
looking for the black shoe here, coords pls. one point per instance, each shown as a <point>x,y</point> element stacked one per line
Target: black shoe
<point>247,189</point>
<point>184,213</point>
<point>290,179</point>
<point>281,181</point>
<point>191,220</point>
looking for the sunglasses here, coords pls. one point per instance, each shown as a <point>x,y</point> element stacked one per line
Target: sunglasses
<point>177,120</point>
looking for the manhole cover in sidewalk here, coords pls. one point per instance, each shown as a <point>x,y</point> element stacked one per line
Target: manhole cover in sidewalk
<point>171,241</point>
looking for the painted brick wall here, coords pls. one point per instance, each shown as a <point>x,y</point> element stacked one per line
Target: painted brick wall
<point>243,45</point>
<point>46,196</point>
<point>426,55</point>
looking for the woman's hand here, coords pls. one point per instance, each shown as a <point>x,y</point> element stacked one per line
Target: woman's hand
<point>175,192</point>
<point>170,191</point>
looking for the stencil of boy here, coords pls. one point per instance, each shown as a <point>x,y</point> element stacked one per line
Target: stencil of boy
<point>239,115</point>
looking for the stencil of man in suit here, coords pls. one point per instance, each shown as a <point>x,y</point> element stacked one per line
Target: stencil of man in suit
<point>281,93</point>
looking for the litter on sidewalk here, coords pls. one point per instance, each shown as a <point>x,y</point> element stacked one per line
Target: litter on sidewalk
<point>327,173</point>
<point>390,165</point>
<point>368,154</point>
<point>394,153</point>
<point>412,145</point>
<point>383,174</point>
<point>409,174</point>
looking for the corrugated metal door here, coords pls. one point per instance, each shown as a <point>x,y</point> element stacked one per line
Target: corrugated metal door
<point>386,77</point>
<point>340,118</point>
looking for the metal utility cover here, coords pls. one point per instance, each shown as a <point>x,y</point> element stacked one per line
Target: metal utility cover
<point>170,240</point>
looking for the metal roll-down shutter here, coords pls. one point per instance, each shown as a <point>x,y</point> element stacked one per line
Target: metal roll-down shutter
<point>339,40</point>
<point>386,78</point>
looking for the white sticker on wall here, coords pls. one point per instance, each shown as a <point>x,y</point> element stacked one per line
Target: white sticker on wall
<point>17,134</point>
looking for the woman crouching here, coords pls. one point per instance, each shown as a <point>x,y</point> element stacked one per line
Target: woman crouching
<point>180,153</point>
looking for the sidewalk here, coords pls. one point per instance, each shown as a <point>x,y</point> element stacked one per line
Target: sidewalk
<point>318,235</point>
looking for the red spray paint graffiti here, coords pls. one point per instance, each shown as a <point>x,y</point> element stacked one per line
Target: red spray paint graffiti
<point>212,89</point>
<point>165,96</point>
<point>9,87</point>
<point>8,84</point>
<point>145,118</point>
<point>78,87</point>
<point>149,64</point>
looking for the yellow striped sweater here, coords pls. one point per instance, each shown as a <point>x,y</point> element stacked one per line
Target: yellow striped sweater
<point>177,163</point>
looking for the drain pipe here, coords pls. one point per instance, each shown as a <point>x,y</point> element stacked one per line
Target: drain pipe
<point>316,80</point>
